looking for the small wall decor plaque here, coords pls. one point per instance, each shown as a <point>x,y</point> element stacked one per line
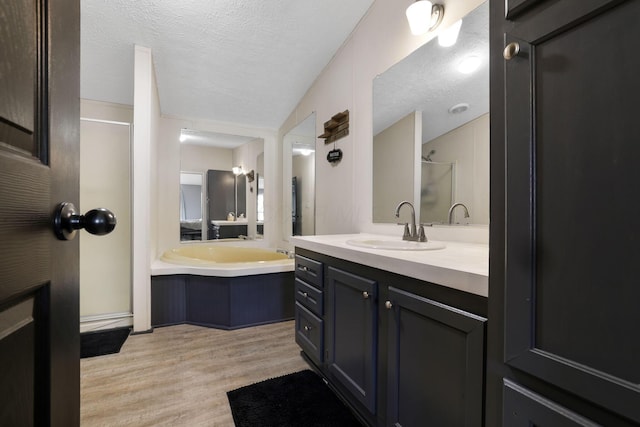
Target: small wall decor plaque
<point>334,155</point>
<point>336,128</point>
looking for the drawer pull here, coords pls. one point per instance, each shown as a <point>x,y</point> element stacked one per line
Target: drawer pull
<point>365,294</point>
<point>306,295</point>
<point>303,268</point>
<point>388,305</point>
<point>307,328</point>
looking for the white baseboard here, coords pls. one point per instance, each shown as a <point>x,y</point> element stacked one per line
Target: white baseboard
<point>105,321</point>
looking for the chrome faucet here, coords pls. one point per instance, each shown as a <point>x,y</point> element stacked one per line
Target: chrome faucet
<point>411,232</point>
<point>452,208</point>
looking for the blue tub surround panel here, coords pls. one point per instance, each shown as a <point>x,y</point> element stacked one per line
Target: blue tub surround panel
<point>222,302</point>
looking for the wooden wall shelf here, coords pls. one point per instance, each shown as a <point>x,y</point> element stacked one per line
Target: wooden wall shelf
<point>336,128</point>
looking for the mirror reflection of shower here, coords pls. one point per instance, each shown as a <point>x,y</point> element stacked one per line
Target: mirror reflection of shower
<point>436,189</point>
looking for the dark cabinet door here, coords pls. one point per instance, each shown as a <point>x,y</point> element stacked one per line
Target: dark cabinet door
<point>221,194</point>
<point>351,325</point>
<point>524,408</point>
<point>565,176</point>
<point>435,363</point>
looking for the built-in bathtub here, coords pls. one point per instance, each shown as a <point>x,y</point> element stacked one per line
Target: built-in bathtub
<point>221,286</point>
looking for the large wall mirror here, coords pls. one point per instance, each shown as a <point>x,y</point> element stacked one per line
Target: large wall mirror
<point>431,129</point>
<point>221,186</point>
<point>301,143</point>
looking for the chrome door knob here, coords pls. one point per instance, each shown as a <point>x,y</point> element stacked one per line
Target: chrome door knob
<point>66,220</point>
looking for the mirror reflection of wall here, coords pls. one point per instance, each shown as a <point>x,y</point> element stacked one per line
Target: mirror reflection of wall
<point>302,141</point>
<point>394,168</point>
<point>190,206</point>
<point>453,105</point>
<point>227,211</point>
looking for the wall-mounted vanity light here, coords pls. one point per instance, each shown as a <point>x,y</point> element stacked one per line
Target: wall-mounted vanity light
<point>423,16</point>
<point>239,170</point>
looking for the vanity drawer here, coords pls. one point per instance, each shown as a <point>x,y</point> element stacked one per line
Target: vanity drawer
<point>309,296</point>
<point>309,270</point>
<point>309,333</point>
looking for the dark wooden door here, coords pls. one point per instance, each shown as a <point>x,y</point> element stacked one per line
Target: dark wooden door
<point>352,331</point>
<point>565,180</point>
<point>435,363</point>
<point>221,188</point>
<point>39,141</point>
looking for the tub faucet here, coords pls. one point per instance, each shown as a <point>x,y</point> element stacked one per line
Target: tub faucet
<point>411,232</point>
<point>453,207</point>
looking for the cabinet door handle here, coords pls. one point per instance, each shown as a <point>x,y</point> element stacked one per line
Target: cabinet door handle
<point>307,328</point>
<point>365,294</point>
<point>511,50</point>
<point>388,305</point>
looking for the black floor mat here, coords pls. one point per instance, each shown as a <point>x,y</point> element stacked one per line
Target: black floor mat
<point>98,343</point>
<point>294,400</point>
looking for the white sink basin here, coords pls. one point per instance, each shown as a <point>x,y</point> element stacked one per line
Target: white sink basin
<point>396,245</point>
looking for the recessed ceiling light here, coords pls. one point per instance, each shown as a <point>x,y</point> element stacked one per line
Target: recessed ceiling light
<point>459,108</point>
<point>469,64</point>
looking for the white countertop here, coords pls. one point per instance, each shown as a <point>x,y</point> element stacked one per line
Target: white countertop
<point>239,221</point>
<point>462,266</point>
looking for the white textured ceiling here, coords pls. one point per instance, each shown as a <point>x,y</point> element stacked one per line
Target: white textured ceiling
<point>235,61</point>
<point>213,139</point>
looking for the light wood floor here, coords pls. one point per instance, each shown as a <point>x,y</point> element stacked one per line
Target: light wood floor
<point>179,375</point>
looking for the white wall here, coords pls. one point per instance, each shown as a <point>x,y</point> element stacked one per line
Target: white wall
<point>146,114</point>
<point>344,191</point>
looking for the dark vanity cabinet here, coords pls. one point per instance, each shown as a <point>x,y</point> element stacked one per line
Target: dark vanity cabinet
<point>435,363</point>
<point>309,312</point>
<point>564,346</point>
<point>352,331</point>
<point>399,351</point>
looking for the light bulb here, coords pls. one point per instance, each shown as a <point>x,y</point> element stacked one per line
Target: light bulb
<point>469,64</point>
<point>449,36</point>
<point>419,17</point>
